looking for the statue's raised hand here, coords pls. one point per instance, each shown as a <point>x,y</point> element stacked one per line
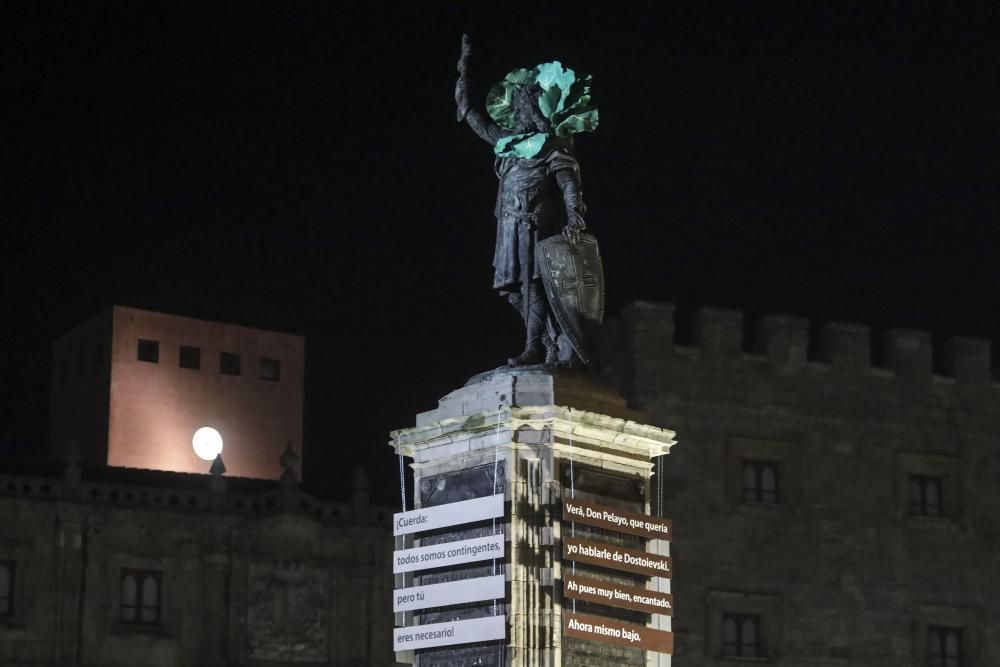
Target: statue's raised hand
<point>462,85</point>
<point>463,59</point>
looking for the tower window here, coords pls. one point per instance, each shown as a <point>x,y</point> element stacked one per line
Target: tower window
<point>190,357</point>
<point>760,482</point>
<point>270,369</point>
<point>925,495</point>
<point>7,569</point>
<point>741,636</point>
<point>149,350</point>
<point>944,647</point>
<point>229,363</point>
<point>140,597</point>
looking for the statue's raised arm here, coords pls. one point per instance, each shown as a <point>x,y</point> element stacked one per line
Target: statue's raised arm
<point>462,85</point>
<point>480,123</point>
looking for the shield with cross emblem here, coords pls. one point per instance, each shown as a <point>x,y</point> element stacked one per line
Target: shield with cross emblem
<point>574,284</point>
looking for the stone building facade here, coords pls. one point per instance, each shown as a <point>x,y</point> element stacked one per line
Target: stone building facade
<point>114,567</point>
<point>829,511</point>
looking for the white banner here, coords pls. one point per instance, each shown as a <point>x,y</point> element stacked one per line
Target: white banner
<point>452,592</point>
<point>448,553</point>
<point>452,514</point>
<point>450,633</point>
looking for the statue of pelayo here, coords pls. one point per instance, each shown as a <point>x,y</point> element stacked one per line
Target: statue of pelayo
<point>545,265</point>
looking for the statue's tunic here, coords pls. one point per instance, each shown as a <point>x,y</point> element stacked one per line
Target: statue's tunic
<point>529,208</point>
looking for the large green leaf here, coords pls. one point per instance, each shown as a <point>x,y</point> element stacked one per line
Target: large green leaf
<point>550,101</point>
<point>564,101</point>
<point>521,145</point>
<point>579,115</point>
<point>500,104</point>
<point>583,121</point>
<point>500,99</point>
<point>577,92</point>
<point>556,82</point>
<point>521,76</point>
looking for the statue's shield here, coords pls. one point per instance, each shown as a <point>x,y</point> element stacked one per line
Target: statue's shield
<point>574,284</point>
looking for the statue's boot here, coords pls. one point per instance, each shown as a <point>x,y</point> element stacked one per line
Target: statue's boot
<point>538,344</point>
<point>549,342</point>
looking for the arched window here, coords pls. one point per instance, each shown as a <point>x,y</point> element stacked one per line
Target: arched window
<point>129,598</point>
<point>6,588</point>
<point>925,495</point>
<point>140,597</point>
<point>730,636</point>
<point>741,635</point>
<point>769,484</point>
<point>944,647</point>
<point>150,599</point>
<point>760,482</point>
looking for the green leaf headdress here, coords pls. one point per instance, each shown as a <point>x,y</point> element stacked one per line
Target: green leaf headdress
<point>564,101</point>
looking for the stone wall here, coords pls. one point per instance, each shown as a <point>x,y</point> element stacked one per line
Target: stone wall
<point>251,572</point>
<point>840,571</point>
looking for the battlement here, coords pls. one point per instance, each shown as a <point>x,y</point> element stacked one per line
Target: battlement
<point>721,336</point>
<point>205,497</point>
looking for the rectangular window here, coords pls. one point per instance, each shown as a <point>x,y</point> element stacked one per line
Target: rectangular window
<point>926,495</point>
<point>995,361</point>
<point>140,597</point>
<point>229,363</point>
<point>741,636</point>
<point>149,350</point>
<point>944,647</point>
<point>7,571</point>
<point>190,357</point>
<point>270,370</point>
<point>760,482</point>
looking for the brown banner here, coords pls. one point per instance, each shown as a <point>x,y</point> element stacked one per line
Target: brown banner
<point>613,518</point>
<point>619,633</point>
<point>618,595</point>
<point>616,558</point>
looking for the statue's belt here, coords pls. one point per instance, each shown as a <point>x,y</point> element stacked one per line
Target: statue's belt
<point>523,218</point>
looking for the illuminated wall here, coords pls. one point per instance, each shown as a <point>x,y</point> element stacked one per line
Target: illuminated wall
<point>150,380</point>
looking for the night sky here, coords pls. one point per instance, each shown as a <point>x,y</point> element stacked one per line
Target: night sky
<point>297,166</point>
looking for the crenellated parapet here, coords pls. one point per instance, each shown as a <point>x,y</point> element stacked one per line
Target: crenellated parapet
<point>719,332</point>
<point>784,339</point>
<point>908,353</point>
<point>184,496</point>
<point>969,359</point>
<point>845,345</point>
<point>651,335</point>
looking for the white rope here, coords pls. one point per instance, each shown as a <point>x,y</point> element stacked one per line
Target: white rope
<point>572,494</point>
<point>496,481</point>
<point>659,485</point>
<point>402,476</point>
<point>659,502</point>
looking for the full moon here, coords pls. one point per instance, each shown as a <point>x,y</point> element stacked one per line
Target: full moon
<point>207,443</point>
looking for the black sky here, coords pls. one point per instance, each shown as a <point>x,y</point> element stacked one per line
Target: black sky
<point>297,166</point>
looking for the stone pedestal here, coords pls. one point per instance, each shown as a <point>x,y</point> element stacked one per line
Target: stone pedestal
<point>538,437</point>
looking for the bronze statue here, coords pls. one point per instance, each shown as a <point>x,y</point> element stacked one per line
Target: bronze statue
<point>544,264</point>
